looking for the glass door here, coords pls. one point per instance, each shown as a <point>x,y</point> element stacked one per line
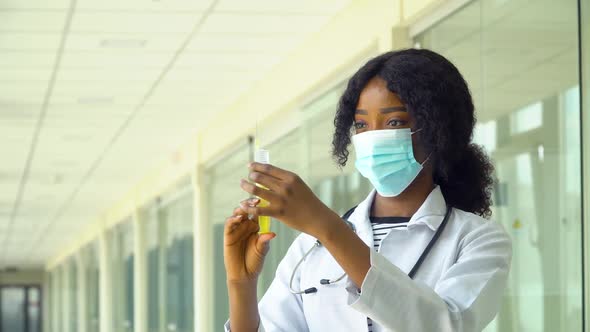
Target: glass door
<point>20,309</point>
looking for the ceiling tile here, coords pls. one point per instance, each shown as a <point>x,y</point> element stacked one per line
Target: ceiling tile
<point>38,42</point>
<point>128,22</point>
<point>302,6</point>
<point>243,43</point>
<point>140,5</point>
<point>34,4</point>
<point>115,59</point>
<point>32,21</point>
<point>270,24</point>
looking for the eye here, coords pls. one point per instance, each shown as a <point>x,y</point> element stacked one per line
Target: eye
<point>359,125</point>
<point>396,123</point>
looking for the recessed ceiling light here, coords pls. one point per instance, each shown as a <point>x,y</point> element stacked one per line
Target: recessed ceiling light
<point>123,43</point>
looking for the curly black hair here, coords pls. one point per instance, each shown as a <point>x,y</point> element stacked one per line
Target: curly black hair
<point>438,98</point>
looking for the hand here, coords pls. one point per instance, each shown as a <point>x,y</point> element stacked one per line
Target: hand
<point>291,201</point>
<point>244,249</point>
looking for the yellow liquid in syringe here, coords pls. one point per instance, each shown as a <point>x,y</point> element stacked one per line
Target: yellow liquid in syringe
<point>263,221</point>
<point>262,156</point>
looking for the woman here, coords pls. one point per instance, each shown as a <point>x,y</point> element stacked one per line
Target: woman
<point>410,117</point>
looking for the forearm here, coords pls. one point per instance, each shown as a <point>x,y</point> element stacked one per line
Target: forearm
<point>347,248</point>
<point>243,306</point>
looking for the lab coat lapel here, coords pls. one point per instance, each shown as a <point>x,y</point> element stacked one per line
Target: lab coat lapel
<point>360,219</point>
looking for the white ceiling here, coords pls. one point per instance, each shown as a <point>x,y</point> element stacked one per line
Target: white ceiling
<point>95,93</point>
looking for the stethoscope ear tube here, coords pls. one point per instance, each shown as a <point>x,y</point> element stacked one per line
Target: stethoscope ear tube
<point>317,243</point>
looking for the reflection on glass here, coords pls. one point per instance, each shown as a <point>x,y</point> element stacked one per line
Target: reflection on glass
<point>526,118</point>
<point>520,60</point>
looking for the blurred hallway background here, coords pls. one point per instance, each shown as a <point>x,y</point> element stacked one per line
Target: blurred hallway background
<point>125,126</point>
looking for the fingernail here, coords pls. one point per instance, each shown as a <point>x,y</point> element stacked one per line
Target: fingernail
<point>239,217</point>
<point>254,199</point>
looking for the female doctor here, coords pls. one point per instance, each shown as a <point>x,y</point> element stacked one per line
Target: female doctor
<point>417,255</point>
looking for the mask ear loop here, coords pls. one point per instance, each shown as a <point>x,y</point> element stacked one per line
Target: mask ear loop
<point>413,132</point>
<point>427,158</point>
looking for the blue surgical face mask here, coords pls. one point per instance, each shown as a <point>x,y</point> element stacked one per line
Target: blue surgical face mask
<point>386,158</point>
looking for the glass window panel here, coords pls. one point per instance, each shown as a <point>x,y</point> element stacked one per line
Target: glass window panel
<point>91,275</point>
<point>179,264</point>
<point>170,263</point>
<point>72,270</point>
<point>55,300</point>
<point>13,304</point>
<point>153,263</point>
<point>34,309</point>
<point>585,111</point>
<point>527,118</point>
<point>520,61</point>
<point>223,195</point>
<point>122,276</point>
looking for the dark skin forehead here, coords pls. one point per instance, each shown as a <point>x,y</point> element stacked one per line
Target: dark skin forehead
<point>378,103</point>
<point>375,95</point>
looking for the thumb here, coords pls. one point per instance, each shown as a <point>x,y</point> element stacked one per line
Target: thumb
<point>263,243</point>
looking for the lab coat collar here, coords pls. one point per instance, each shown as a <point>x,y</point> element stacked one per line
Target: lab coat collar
<point>430,213</point>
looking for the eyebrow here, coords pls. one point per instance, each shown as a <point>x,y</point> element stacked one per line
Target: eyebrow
<point>385,110</point>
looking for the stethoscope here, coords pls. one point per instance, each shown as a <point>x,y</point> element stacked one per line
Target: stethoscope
<point>318,244</point>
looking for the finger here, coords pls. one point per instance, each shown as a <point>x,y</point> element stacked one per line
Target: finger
<point>259,211</point>
<point>271,170</point>
<point>253,201</point>
<point>231,224</point>
<point>260,192</point>
<point>250,219</point>
<point>241,231</point>
<point>263,242</point>
<point>238,212</point>
<point>268,181</point>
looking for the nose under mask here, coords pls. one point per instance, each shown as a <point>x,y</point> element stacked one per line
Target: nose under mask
<point>386,158</point>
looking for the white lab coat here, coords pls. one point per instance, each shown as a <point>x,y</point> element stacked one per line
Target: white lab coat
<point>458,287</point>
